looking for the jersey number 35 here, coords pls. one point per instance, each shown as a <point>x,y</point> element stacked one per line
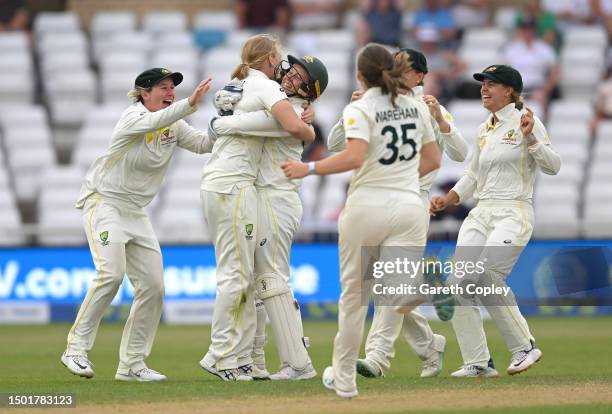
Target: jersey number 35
<point>395,148</point>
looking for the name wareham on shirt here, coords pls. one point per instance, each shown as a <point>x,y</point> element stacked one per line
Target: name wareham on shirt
<point>396,114</point>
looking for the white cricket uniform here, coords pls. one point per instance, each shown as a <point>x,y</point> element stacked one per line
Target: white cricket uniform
<point>230,203</point>
<point>387,323</point>
<point>279,217</point>
<point>121,239</point>
<point>501,176</point>
<point>383,207</point>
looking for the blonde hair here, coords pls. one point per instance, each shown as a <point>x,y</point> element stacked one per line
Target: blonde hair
<point>402,57</point>
<point>255,52</point>
<point>380,68</point>
<point>135,94</point>
<point>517,99</point>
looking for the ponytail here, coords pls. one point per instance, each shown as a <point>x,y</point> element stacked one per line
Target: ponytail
<point>517,99</point>
<point>255,53</point>
<point>241,71</point>
<point>379,68</point>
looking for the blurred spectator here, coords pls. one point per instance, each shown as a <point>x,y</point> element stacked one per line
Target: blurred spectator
<point>604,97</point>
<point>381,22</point>
<point>435,15</point>
<point>14,15</point>
<point>445,66</point>
<point>569,12</point>
<point>315,14</point>
<point>536,61</point>
<point>602,9</point>
<point>471,13</point>
<point>546,22</point>
<point>263,15</point>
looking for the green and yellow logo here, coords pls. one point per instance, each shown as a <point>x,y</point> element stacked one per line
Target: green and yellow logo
<point>104,238</point>
<point>249,231</point>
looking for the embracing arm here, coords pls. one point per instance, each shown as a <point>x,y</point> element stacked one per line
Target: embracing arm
<point>257,123</point>
<point>193,139</point>
<point>285,114</point>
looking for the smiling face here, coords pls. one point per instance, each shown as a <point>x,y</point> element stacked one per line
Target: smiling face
<point>411,78</point>
<point>160,97</point>
<point>294,78</point>
<point>494,95</point>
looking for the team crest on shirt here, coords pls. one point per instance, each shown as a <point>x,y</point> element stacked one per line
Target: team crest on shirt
<point>509,138</point>
<point>104,238</point>
<point>249,231</point>
<point>165,137</point>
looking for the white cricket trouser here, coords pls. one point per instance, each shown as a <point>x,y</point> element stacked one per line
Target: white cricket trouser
<point>121,239</point>
<point>393,224</point>
<point>387,325</point>
<point>279,217</point>
<point>496,233</point>
<point>232,223</point>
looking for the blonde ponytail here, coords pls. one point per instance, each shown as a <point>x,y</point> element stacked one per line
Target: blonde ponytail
<point>255,53</point>
<point>241,71</point>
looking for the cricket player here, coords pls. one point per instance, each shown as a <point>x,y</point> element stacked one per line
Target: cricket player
<point>230,203</point>
<point>279,217</point>
<point>511,146</point>
<point>390,144</point>
<point>117,187</point>
<point>387,323</point>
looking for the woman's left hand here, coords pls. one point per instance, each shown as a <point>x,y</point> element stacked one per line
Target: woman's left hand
<point>434,107</point>
<point>295,169</point>
<point>309,114</point>
<point>527,122</point>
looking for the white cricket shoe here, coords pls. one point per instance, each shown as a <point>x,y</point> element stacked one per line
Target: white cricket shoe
<point>288,373</point>
<point>369,368</point>
<point>523,360</point>
<point>328,382</point>
<point>432,366</point>
<point>224,374</point>
<point>244,372</point>
<point>143,375</point>
<point>78,365</point>
<point>475,371</point>
<point>260,373</point>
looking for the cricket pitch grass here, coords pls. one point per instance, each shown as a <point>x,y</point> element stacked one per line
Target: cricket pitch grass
<point>574,376</point>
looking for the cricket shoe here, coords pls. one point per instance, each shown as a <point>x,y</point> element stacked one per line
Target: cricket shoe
<point>523,360</point>
<point>432,366</point>
<point>444,303</point>
<point>369,369</point>
<point>328,382</point>
<point>476,371</point>
<point>288,373</point>
<point>225,374</point>
<point>260,373</point>
<point>78,365</point>
<point>142,375</point>
<point>244,372</point>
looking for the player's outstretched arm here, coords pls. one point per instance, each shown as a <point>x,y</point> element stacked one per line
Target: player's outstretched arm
<point>351,158</point>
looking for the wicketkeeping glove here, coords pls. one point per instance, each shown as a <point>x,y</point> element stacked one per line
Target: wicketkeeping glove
<point>226,98</point>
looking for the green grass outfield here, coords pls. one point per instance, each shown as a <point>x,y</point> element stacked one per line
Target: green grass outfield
<point>576,369</point>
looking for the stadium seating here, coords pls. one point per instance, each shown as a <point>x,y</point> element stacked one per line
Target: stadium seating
<point>85,72</point>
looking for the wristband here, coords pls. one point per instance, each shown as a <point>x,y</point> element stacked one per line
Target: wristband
<point>311,168</point>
